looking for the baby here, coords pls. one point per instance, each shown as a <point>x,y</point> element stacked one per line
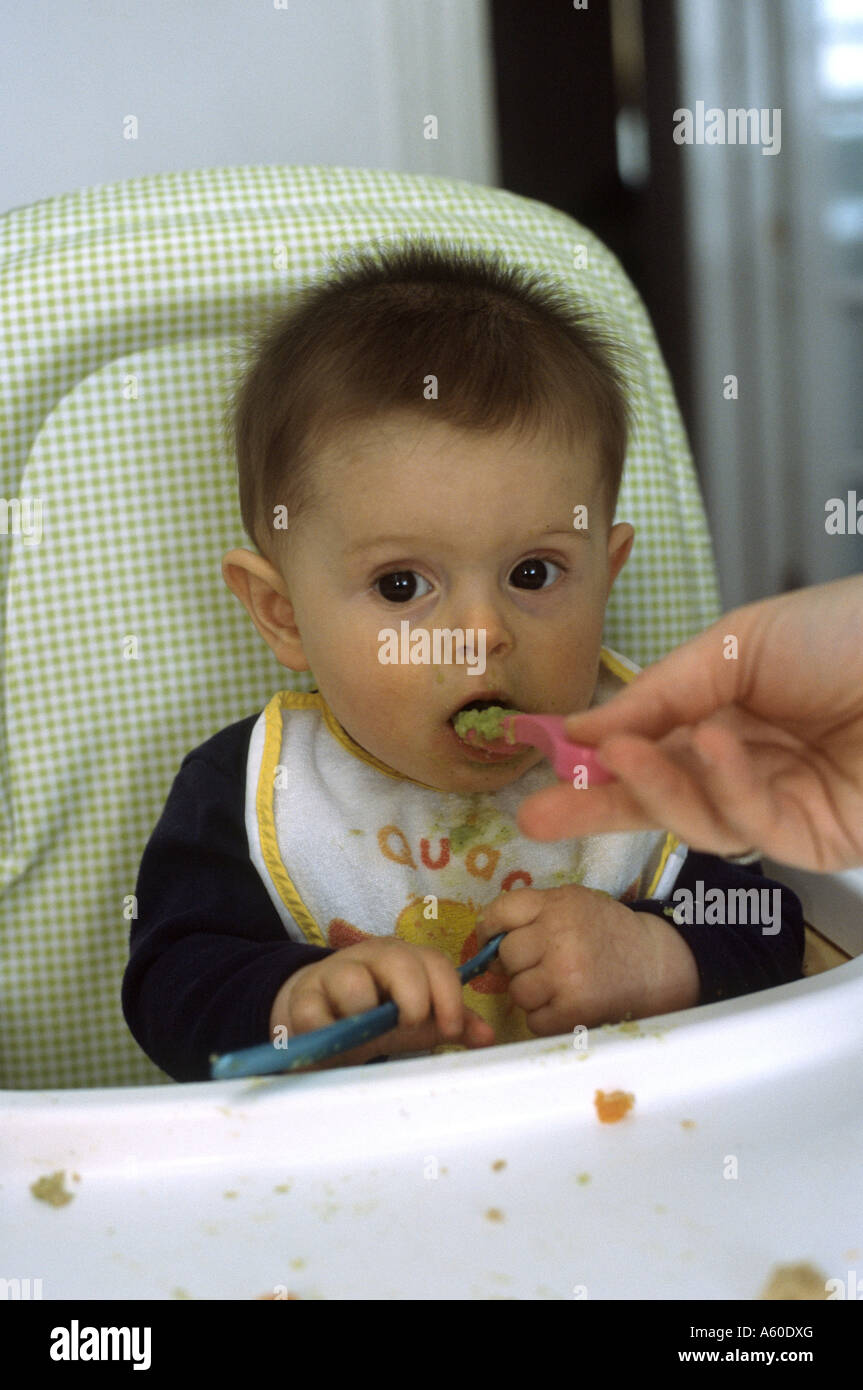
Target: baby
<point>430,447</point>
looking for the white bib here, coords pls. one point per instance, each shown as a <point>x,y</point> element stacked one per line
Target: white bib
<point>347,851</point>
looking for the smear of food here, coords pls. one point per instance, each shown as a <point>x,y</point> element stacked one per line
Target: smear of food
<point>799,1282</point>
<point>487,724</point>
<point>480,822</point>
<point>494,1214</point>
<point>612,1106</point>
<point>50,1189</point>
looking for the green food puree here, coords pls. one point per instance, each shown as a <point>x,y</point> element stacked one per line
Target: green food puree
<point>486,723</point>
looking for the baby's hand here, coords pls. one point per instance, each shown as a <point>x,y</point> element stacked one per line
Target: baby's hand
<point>420,980</point>
<point>575,955</point>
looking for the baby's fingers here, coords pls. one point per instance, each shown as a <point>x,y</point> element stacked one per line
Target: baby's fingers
<point>517,908</point>
<point>447,1000</point>
<point>405,976</point>
<point>477,1032</point>
<point>344,988</point>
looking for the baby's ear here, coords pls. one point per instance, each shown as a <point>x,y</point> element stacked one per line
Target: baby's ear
<point>620,540</point>
<point>239,567</point>
<point>264,595</point>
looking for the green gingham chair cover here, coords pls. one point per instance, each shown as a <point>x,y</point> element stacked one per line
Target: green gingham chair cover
<point>123,307</point>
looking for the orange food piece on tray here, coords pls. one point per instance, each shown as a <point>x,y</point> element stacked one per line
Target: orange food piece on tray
<point>613,1106</point>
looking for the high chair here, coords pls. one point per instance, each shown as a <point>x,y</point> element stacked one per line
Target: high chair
<point>124,310</point>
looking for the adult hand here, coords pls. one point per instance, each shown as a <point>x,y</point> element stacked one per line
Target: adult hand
<point>753,744</point>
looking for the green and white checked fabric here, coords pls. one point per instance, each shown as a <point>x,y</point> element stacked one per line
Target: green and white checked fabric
<point>123,307</point>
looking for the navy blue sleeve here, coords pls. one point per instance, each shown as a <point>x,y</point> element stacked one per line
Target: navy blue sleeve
<point>208,951</point>
<point>733,958</point>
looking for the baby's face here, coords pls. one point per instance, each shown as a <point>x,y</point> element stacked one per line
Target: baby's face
<point>445,529</point>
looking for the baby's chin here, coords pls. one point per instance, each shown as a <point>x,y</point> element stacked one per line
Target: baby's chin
<point>445,770</point>
<point>468,779</point>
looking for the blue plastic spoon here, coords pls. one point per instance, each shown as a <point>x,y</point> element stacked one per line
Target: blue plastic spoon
<point>341,1036</point>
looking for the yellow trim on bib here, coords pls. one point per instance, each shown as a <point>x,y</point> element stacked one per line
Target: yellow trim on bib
<point>285,699</point>
<point>273,733</point>
<point>671,843</point>
<point>612,662</point>
<point>343,737</point>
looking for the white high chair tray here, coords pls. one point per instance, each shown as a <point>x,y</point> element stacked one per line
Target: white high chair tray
<point>478,1175</point>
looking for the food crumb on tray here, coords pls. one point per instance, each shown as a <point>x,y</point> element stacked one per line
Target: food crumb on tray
<point>494,1214</point>
<point>50,1189</point>
<point>798,1282</point>
<point>611,1106</point>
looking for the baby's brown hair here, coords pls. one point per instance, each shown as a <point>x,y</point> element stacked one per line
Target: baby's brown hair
<point>505,349</point>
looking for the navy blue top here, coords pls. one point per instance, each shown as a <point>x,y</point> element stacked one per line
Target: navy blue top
<point>209,953</point>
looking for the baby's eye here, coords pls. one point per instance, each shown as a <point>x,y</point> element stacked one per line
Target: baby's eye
<point>534,574</point>
<point>401,586</point>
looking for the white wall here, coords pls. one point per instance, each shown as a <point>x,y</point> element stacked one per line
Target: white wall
<point>219,82</point>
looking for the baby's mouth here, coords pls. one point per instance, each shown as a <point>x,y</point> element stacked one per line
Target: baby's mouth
<point>478,723</point>
<point>490,703</point>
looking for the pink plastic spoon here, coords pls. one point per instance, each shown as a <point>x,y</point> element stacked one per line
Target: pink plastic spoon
<point>546,732</point>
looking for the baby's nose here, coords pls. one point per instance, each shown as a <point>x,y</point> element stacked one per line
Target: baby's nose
<point>482,614</point>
